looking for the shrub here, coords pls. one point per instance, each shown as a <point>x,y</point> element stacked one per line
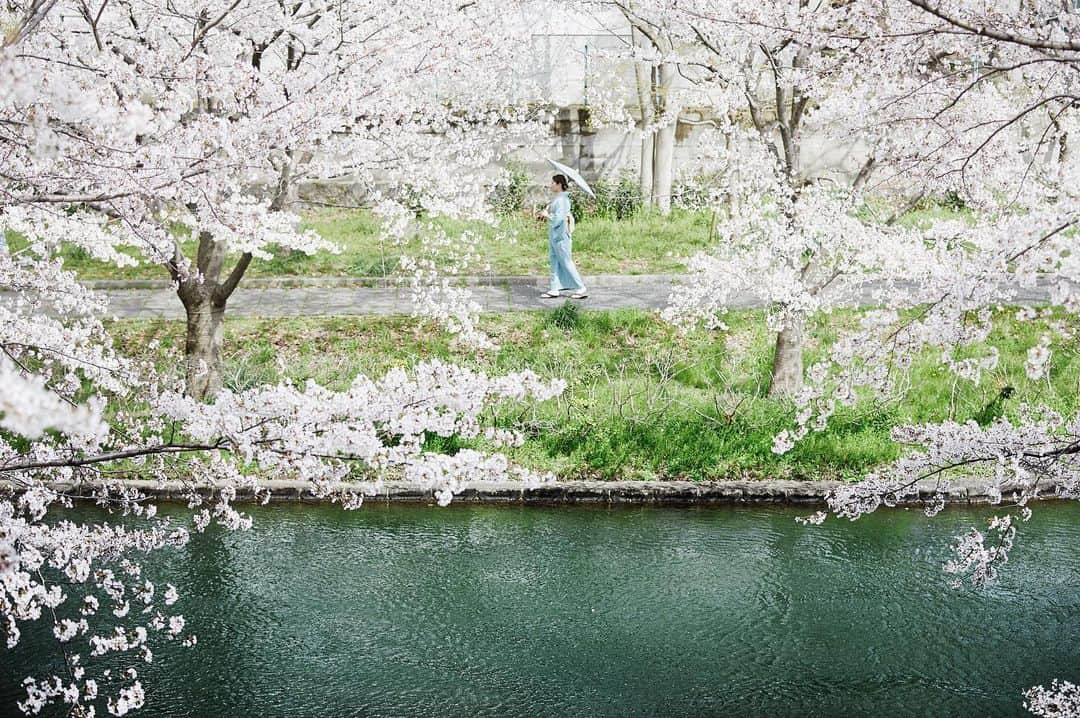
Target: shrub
<point>618,198</point>
<point>952,200</point>
<point>77,253</point>
<point>509,197</point>
<point>695,192</point>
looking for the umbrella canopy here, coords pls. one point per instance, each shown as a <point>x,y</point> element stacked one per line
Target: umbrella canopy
<point>573,176</point>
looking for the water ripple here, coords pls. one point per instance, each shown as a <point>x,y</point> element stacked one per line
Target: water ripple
<point>483,611</point>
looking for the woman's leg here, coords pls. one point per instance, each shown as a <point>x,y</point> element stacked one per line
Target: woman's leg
<point>568,273</point>
<point>553,261</point>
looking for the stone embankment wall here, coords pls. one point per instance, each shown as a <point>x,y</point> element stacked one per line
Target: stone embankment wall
<point>965,491</point>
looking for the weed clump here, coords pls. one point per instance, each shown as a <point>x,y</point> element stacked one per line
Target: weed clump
<point>567,317</point>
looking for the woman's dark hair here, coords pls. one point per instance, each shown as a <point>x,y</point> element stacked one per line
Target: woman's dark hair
<point>561,181</point>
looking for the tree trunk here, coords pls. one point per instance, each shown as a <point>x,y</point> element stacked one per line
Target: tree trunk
<point>643,80</point>
<point>664,142</point>
<point>663,167</point>
<point>787,369</point>
<point>204,297</point>
<point>647,168</point>
<point>203,368</point>
<point>205,293</point>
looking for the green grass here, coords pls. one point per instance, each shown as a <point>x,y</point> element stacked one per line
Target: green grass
<point>643,401</point>
<point>920,216</point>
<point>644,243</point>
<point>516,245</point>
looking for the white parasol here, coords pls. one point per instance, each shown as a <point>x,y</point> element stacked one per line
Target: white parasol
<point>573,176</point>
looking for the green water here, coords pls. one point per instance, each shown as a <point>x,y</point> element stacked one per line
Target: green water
<point>488,611</point>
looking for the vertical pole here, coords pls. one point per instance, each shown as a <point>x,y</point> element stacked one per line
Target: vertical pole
<point>586,75</point>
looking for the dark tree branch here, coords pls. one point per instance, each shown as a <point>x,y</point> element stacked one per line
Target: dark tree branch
<point>934,8</point>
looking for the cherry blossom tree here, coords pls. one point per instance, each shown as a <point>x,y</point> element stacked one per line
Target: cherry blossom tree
<point>977,101</point>
<point>944,97</point>
<point>776,73</point>
<point>123,131</point>
<point>660,89</point>
<point>159,129</point>
<point>656,76</point>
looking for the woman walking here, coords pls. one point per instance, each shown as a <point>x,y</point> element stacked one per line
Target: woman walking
<point>564,274</point>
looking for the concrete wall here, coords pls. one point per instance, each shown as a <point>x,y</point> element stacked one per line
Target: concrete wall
<point>578,61</point>
<point>608,151</point>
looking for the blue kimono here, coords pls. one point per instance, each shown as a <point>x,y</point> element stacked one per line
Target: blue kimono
<point>564,274</point>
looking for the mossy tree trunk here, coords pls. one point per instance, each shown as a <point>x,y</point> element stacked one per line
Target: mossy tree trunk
<point>787,368</point>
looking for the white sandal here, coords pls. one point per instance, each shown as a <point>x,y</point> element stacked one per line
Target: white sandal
<point>579,295</point>
<point>549,295</point>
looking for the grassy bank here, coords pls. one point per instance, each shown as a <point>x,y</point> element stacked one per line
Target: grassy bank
<point>643,243</point>
<point>516,245</point>
<point>643,402</point>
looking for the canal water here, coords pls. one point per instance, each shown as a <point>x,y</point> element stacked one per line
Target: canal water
<point>526,611</point>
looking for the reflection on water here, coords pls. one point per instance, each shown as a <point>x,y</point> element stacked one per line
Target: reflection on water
<point>499,611</point>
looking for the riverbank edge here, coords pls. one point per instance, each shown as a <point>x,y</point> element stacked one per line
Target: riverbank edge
<point>675,493</point>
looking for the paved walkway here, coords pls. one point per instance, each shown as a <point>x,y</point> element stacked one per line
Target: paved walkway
<point>344,298</point>
<point>349,297</point>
